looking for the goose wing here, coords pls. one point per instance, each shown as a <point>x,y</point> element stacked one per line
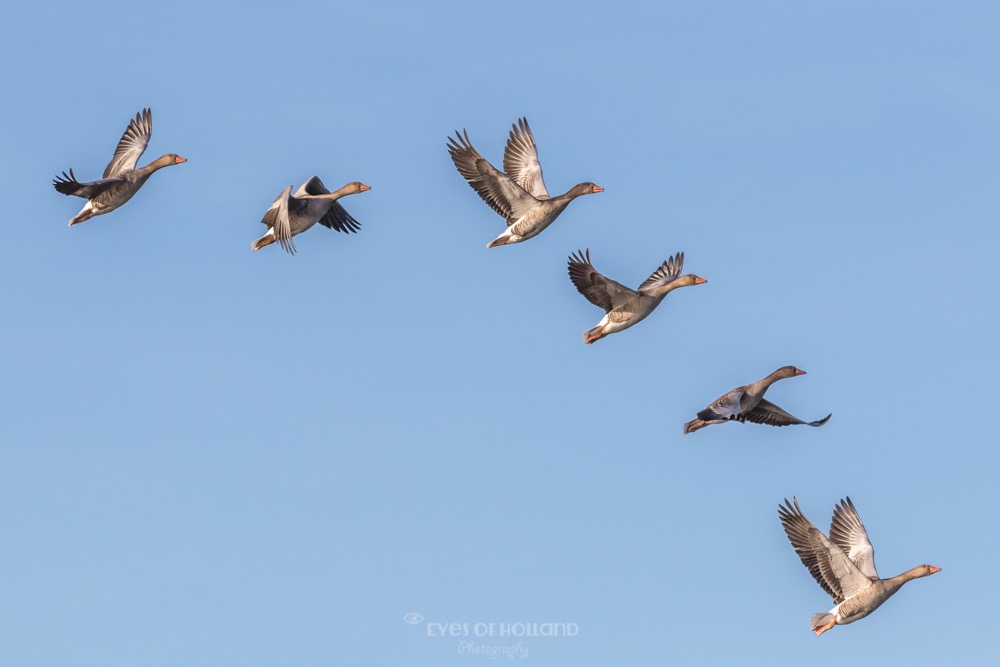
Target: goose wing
<point>277,218</point>
<point>68,185</point>
<point>132,144</point>
<point>520,160</point>
<point>312,186</point>
<point>768,413</point>
<point>337,218</point>
<point>494,187</point>
<point>848,532</point>
<point>826,562</point>
<point>667,272</point>
<point>598,289</point>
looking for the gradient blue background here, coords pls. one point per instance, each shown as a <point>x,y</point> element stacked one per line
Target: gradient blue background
<point>217,457</point>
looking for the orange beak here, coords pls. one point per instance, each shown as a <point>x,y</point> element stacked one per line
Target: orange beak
<point>933,569</point>
<point>598,188</point>
<point>365,188</point>
<point>699,280</point>
<point>799,371</point>
<point>179,159</point>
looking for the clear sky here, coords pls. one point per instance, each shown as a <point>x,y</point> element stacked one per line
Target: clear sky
<point>218,457</point>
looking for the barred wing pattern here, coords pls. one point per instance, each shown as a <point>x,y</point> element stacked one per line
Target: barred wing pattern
<point>494,187</point>
<point>132,144</point>
<point>826,562</point>
<point>520,160</point>
<point>669,271</point>
<point>848,532</point>
<point>598,289</point>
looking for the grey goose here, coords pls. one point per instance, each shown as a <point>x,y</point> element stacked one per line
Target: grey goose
<point>121,179</point>
<point>623,306</point>
<point>747,404</point>
<point>291,214</point>
<point>843,564</point>
<point>518,193</point>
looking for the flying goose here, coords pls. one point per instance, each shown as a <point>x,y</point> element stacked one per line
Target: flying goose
<point>624,306</point>
<point>121,179</point>
<point>747,404</point>
<point>519,195</point>
<point>290,215</point>
<point>843,565</point>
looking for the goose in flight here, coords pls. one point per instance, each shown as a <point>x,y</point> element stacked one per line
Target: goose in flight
<point>843,564</point>
<point>290,215</point>
<point>622,305</point>
<point>121,179</point>
<point>519,195</point>
<point>747,404</point>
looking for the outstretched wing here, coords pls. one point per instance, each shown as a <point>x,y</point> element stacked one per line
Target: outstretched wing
<point>599,290</point>
<point>768,413</point>
<point>520,160</point>
<point>277,219</point>
<point>669,271</point>
<point>826,562</point>
<point>494,187</point>
<point>339,219</point>
<point>848,533</point>
<point>68,185</point>
<point>131,145</point>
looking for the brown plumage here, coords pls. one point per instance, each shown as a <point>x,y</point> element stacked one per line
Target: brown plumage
<point>121,179</point>
<point>843,564</point>
<point>290,215</point>
<point>747,404</point>
<point>623,306</point>
<point>519,196</point>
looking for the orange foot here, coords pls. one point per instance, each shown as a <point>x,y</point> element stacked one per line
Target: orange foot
<point>694,425</point>
<point>823,628</point>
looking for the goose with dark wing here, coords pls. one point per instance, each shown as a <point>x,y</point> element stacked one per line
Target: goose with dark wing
<point>747,404</point>
<point>291,214</point>
<point>121,179</point>
<point>624,306</point>
<point>843,564</point>
<point>519,195</point>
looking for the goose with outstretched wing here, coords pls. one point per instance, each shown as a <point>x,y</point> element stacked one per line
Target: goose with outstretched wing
<point>623,306</point>
<point>518,194</point>
<point>843,564</point>
<point>291,214</point>
<point>747,404</point>
<point>121,179</point>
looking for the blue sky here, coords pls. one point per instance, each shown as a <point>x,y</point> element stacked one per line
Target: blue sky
<point>218,457</point>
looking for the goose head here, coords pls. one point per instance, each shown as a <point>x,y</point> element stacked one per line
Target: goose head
<point>585,189</point>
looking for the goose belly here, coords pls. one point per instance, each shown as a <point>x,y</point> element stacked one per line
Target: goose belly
<point>619,320</point>
<point>532,223</point>
<point>857,607</point>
